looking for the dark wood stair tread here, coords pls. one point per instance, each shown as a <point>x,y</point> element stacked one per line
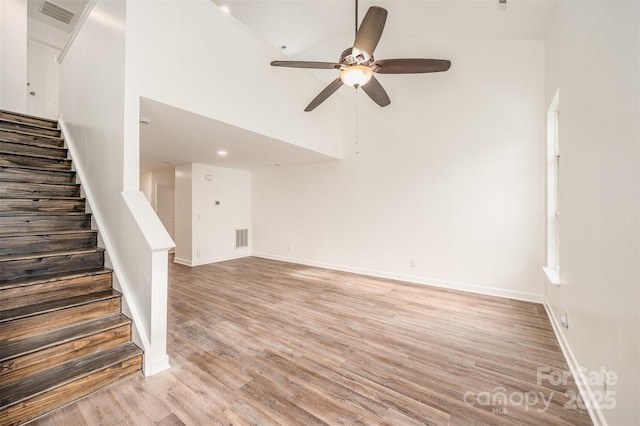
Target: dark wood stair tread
<point>49,163</point>
<point>21,347</point>
<point>21,214</point>
<point>27,128</point>
<point>19,116</point>
<point>42,233</point>
<point>16,135</point>
<point>37,188</point>
<point>55,305</point>
<point>37,384</point>
<point>43,279</point>
<point>28,256</point>
<point>33,143</point>
<point>13,222</point>
<point>37,169</point>
<point>44,157</point>
<point>8,198</point>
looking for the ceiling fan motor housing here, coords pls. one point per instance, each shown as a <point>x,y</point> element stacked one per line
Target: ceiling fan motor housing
<point>360,57</point>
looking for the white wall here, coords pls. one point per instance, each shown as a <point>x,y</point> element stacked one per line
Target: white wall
<point>13,55</point>
<point>47,34</point>
<point>450,175</point>
<point>184,214</point>
<point>193,56</point>
<point>213,226</point>
<point>92,92</point>
<point>146,185</point>
<point>150,180</point>
<point>593,58</point>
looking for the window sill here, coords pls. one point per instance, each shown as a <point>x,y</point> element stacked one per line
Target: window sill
<point>552,275</point>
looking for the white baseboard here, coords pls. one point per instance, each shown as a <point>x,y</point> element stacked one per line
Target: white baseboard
<point>181,261</point>
<point>590,401</point>
<point>470,288</point>
<point>154,366</point>
<point>199,262</point>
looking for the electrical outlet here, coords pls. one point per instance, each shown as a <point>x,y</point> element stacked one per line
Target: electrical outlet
<point>565,320</point>
<point>198,253</point>
<point>288,248</point>
<point>412,263</point>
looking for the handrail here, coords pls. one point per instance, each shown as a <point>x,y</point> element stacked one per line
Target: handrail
<point>76,29</point>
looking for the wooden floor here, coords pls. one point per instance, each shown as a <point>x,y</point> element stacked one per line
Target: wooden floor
<point>254,341</point>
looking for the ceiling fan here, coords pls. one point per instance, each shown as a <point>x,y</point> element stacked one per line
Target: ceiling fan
<point>357,64</point>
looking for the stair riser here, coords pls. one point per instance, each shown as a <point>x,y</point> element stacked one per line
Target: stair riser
<point>40,205</point>
<point>42,122</point>
<point>62,395</point>
<point>30,326</point>
<point>19,244</point>
<point>18,297</point>
<point>23,268</point>
<point>24,366</point>
<point>10,225</point>
<point>30,129</point>
<point>39,162</point>
<point>16,136</point>
<point>14,174</point>
<point>24,149</point>
<point>28,189</point>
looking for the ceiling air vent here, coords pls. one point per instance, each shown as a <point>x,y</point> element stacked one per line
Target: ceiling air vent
<point>56,12</point>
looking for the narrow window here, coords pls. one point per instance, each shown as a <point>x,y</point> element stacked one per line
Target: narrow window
<point>553,191</point>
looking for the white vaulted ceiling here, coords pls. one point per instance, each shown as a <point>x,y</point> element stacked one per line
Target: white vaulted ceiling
<point>304,24</point>
<point>318,30</point>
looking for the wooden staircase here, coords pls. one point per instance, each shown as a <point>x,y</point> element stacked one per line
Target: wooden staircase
<point>62,333</point>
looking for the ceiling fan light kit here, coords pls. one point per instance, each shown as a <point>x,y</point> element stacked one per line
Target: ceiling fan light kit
<point>357,64</point>
<point>356,75</point>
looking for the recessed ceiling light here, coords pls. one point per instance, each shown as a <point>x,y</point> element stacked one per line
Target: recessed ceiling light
<point>225,9</point>
<point>222,153</point>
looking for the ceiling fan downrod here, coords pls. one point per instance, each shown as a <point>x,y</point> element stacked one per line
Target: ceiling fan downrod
<point>356,26</point>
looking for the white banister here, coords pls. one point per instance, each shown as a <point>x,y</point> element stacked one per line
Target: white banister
<point>144,293</point>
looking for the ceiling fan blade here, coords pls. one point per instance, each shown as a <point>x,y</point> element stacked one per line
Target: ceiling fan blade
<point>307,64</point>
<point>410,66</point>
<point>370,30</point>
<point>326,92</point>
<point>376,92</point>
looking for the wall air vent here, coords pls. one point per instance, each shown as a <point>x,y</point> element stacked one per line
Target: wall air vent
<point>56,12</point>
<point>242,238</point>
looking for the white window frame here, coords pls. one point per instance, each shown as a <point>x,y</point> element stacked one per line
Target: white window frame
<point>552,269</point>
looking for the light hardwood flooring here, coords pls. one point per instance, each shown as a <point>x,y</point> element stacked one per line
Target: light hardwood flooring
<point>255,341</point>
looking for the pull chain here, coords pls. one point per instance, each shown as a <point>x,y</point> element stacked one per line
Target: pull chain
<point>357,135</point>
